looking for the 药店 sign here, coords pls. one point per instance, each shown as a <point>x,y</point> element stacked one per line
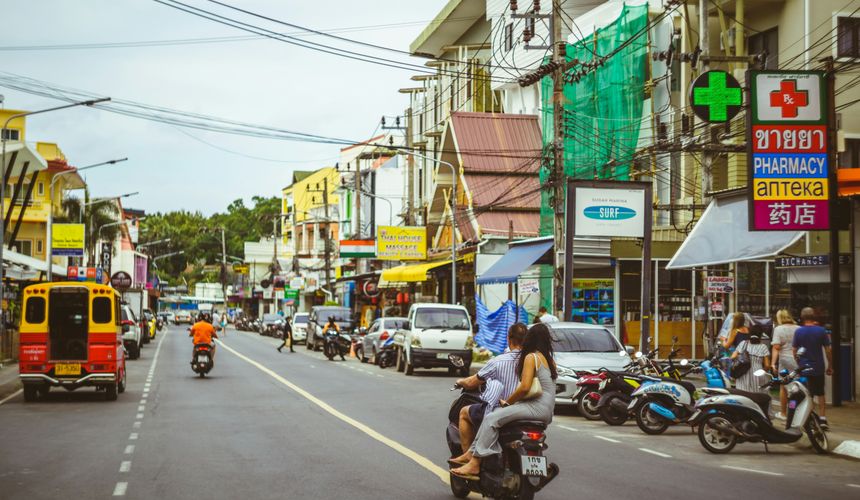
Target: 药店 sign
<point>788,151</point>
<point>610,212</point>
<point>720,284</point>
<point>67,239</point>
<point>401,243</point>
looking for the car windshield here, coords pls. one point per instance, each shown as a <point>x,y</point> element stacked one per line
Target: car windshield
<point>394,324</point>
<point>583,340</point>
<point>452,319</point>
<point>301,319</point>
<point>339,315</point>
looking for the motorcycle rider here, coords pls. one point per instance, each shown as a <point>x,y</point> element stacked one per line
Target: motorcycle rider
<point>203,333</point>
<point>500,379</point>
<point>331,325</point>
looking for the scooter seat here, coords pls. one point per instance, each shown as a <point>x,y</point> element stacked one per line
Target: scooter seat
<point>524,423</point>
<point>761,399</point>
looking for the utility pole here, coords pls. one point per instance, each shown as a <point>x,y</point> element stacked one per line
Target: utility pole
<point>223,270</point>
<point>704,46</point>
<point>835,296</point>
<point>410,169</point>
<point>327,234</point>
<point>558,56</point>
<point>274,261</point>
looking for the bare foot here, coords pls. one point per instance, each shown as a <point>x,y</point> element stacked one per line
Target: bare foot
<point>473,468</point>
<point>463,459</point>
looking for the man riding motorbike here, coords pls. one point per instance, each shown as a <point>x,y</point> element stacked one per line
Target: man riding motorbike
<point>331,325</point>
<point>499,378</point>
<point>203,333</point>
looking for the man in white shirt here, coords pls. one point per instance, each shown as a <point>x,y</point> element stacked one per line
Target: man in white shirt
<point>546,317</point>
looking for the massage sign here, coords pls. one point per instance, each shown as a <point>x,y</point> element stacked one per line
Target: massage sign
<point>787,143</point>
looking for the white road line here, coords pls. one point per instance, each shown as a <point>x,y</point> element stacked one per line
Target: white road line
<point>607,439</point>
<point>141,408</point>
<point>747,469</point>
<point>120,489</point>
<point>646,450</point>
<point>136,425</point>
<point>139,416</point>
<point>853,485</point>
<point>133,436</point>
<point>125,466</point>
<point>143,401</point>
<point>129,449</point>
<point>569,428</point>
<point>7,398</point>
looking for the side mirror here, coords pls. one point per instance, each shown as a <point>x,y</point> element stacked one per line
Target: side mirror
<point>685,362</point>
<point>125,328</point>
<point>759,372</point>
<point>638,354</point>
<point>629,350</point>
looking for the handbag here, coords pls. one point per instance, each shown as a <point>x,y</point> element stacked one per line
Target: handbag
<point>741,364</point>
<point>535,391</point>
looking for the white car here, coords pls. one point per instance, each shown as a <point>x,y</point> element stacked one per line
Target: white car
<point>300,327</point>
<point>432,333</point>
<point>582,348</point>
<point>131,338</point>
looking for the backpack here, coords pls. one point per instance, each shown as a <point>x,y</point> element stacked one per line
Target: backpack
<point>741,364</point>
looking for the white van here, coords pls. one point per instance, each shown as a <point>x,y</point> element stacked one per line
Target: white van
<point>433,332</point>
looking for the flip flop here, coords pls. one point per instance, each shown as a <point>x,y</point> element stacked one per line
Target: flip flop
<point>468,477</point>
<point>454,464</point>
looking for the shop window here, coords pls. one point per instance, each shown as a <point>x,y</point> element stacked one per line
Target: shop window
<point>101,310</point>
<point>24,247</point>
<point>11,134</point>
<point>751,288</point>
<point>40,189</point>
<point>39,248</point>
<point>767,42</point>
<point>848,37</point>
<point>509,37</point>
<point>850,158</point>
<point>35,310</point>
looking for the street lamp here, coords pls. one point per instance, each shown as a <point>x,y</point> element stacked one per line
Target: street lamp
<point>4,137</point>
<point>156,242</point>
<point>103,200</point>
<point>454,172</point>
<point>50,241</point>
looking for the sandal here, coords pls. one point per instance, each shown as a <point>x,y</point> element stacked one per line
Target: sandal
<point>454,463</point>
<point>468,477</point>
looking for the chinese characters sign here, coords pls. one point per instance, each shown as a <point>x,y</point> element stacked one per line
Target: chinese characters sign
<point>788,162</point>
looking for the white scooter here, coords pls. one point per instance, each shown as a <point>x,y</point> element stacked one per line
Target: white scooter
<point>727,419</point>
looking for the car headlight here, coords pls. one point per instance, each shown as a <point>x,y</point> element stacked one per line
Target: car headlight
<point>564,371</point>
<point>470,342</point>
<point>416,341</point>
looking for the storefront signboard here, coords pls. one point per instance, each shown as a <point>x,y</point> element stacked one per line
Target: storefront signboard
<point>401,243</point>
<point>297,283</point>
<point>594,301</point>
<point>610,212</point>
<point>720,284</point>
<point>529,286</point>
<point>810,261</point>
<point>716,96</point>
<point>67,239</point>
<point>787,137</point>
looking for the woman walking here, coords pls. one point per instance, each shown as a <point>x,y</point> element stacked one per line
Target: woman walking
<point>535,361</point>
<point>759,360</point>
<point>782,355</point>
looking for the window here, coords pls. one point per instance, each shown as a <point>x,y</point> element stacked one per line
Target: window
<point>450,319</point>
<point>11,134</point>
<point>848,37</point>
<point>509,37</point>
<point>41,189</point>
<point>24,247</point>
<point>767,42</point>
<point>583,340</point>
<point>101,310</point>
<point>39,249</point>
<point>35,310</point>
<point>850,158</point>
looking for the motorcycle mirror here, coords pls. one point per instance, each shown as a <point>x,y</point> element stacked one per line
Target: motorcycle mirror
<point>685,362</point>
<point>638,354</point>
<point>759,372</point>
<point>628,349</point>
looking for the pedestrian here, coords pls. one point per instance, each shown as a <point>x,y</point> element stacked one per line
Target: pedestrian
<point>759,360</point>
<point>546,317</point>
<point>737,333</point>
<point>224,323</point>
<point>782,354</point>
<point>815,342</point>
<point>286,334</point>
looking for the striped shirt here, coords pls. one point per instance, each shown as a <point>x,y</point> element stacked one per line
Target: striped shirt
<point>500,377</point>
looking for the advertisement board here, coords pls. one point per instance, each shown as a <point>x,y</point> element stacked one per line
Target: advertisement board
<point>401,243</point>
<point>67,239</point>
<point>610,212</point>
<point>594,301</point>
<point>720,284</point>
<point>787,147</point>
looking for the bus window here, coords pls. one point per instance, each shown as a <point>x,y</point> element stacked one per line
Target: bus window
<point>101,310</point>
<point>35,312</point>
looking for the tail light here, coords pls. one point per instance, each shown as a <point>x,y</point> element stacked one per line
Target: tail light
<point>384,336</point>
<point>534,435</point>
<point>127,322</point>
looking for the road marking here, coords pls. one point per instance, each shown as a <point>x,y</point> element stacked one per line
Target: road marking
<point>141,408</point>
<point>7,398</point>
<point>120,489</point>
<point>747,469</point>
<point>129,449</point>
<point>607,439</point>
<point>125,466</point>
<point>853,485</point>
<point>422,461</point>
<point>646,450</point>
<point>143,401</point>
<point>132,436</point>
<point>569,428</point>
<point>136,425</point>
<point>139,416</point>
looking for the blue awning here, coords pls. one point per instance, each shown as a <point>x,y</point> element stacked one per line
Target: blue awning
<point>517,260</point>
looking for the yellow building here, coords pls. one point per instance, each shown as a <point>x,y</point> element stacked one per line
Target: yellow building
<point>303,208</point>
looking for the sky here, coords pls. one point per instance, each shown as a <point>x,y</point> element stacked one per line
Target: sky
<point>260,81</point>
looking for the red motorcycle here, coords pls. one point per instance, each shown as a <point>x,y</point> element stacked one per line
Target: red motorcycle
<point>588,395</point>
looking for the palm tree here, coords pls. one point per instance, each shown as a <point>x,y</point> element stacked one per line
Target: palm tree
<point>95,216</point>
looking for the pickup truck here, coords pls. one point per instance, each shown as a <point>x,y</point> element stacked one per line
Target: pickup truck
<point>432,333</point>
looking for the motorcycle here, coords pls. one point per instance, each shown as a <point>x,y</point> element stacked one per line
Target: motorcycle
<point>202,361</point>
<point>159,323</point>
<point>737,417</point>
<point>387,354</point>
<point>660,402</point>
<point>520,471</point>
<point>336,343</point>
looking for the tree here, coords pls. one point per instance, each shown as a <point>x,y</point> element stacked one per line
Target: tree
<point>95,216</point>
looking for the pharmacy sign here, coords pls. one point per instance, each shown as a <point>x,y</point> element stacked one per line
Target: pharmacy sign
<point>716,96</point>
<point>787,143</point>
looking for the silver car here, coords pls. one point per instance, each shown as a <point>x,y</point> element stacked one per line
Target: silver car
<point>379,331</point>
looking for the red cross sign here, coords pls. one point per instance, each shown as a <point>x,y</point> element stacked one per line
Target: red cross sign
<point>788,98</point>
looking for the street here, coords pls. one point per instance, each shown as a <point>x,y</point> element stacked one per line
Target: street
<point>267,424</point>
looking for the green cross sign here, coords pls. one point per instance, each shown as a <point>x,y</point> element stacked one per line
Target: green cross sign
<point>716,96</point>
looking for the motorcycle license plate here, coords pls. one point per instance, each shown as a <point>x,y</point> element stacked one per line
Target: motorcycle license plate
<point>67,369</point>
<point>441,355</point>
<point>202,358</point>
<point>632,404</point>
<point>534,466</point>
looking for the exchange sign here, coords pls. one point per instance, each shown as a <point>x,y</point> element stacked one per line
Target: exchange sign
<point>788,151</point>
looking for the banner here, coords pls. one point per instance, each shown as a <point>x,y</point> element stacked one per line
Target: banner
<point>401,243</point>
<point>610,212</point>
<point>787,148</point>
<point>68,239</point>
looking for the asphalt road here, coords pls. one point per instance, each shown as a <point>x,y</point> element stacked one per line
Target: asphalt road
<point>268,424</point>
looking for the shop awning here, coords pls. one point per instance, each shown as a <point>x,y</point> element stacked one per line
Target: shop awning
<point>518,259</point>
<point>26,267</point>
<point>722,236</point>
<point>23,153</point>
<point>411,273</point>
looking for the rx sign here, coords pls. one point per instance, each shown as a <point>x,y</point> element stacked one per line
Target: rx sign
<point>716,96</point>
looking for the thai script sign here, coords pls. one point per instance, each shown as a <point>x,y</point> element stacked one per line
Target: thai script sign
<point>401,243</point>
<point>788,161</point>
<point>68,239</point>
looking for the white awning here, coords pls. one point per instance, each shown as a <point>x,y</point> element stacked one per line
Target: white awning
<point>722,235</point>
<point>23,153</point>
<point>26,267</point>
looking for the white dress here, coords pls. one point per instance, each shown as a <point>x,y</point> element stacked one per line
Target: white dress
<point>748,381</point>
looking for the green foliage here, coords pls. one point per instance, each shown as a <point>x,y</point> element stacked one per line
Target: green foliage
<point>95,216</point>
<point>199,237</point>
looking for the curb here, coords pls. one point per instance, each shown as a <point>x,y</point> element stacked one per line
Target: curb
<point>848,448</point>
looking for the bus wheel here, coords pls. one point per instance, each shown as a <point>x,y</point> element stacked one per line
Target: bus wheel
<point>110,392</point>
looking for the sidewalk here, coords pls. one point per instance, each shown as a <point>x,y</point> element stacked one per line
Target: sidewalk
<point>9,381</point>
<point>844,432</point>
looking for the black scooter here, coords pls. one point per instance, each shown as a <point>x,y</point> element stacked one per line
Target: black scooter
<point>335,343</point>
<point>520,471</point>
<point>202,361</point>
